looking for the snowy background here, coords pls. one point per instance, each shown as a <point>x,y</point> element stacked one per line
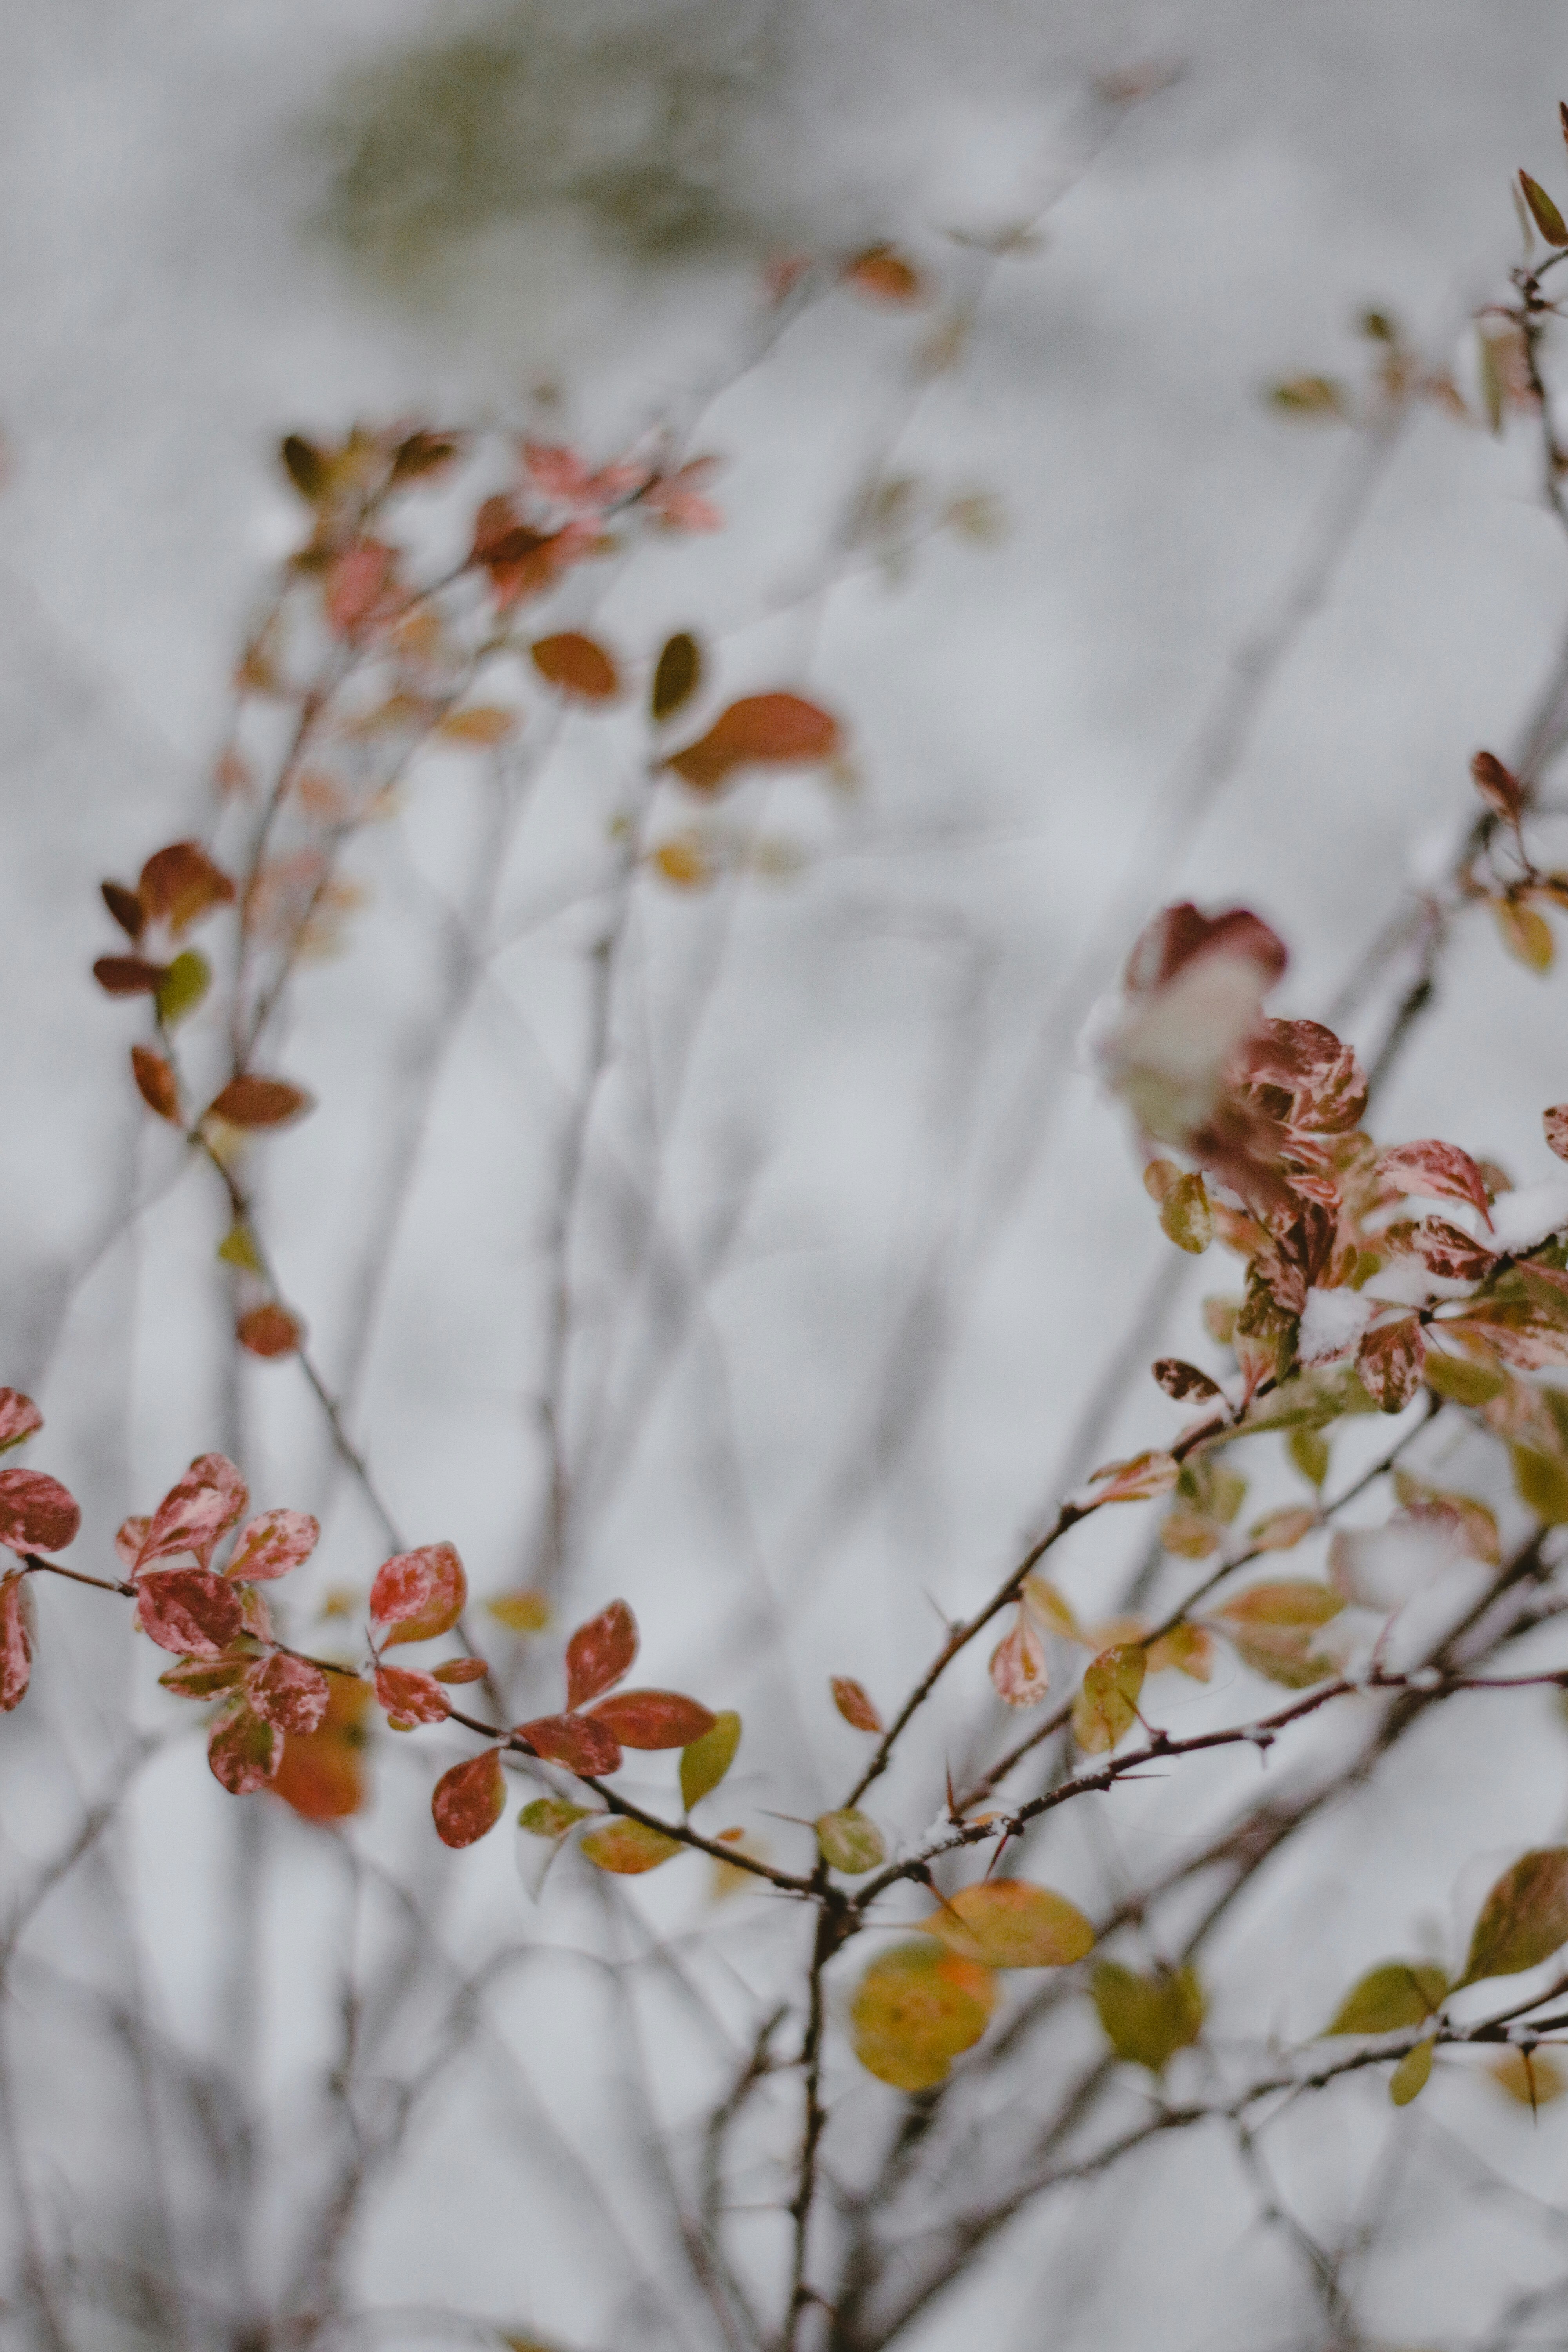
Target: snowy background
<point>902,1230</point>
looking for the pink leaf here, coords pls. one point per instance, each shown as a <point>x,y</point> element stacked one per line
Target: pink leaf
<point>1018,1665</point>
<point>419,1594</point>
<point>1136,1481</point>
<point>1181,935</point>
<point>244,1748</point>
<point>189,1611</point>
<point>410,1698</point>
<point>288,1692</point>
<point>1555,1122</point>
<point>1438,1171</point>
<point>356,582</point>
<point>15,1641</point>
<point>855,1703</point>
<point>1181,1380</point>
<point>468,1801</point>
<point>1444,1250</point>
<point>654,1718</point>
<point>129,1537</point>
<point>37,1513</point>
<point>19,1419</point>
<point>579,1741</point>
<point>600,1652</point>
<point>197,1513</point>
<point>1390,1361</point>
<point>273,1544</point>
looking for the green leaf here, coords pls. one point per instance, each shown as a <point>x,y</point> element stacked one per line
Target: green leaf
<point>551,1817</point>
<point>849,1842</point>
<point>1542,1483</point>
<point>1148,2019</point>
<point>238,1248</point>
<point>1410,2076</point>
<point>1459,1379</point>
<point>1542,211</point>
<point>183,986</point>
<point>1524,1920</point>
<point>705,1762</point>
<point>675,677</point>
<point>1399,1993</point>
<point>1308,1450</point>
<point>628,1848</point>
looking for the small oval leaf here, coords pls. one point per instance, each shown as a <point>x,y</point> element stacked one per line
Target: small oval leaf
<point>468,1801</point>
<point>706,1761</point>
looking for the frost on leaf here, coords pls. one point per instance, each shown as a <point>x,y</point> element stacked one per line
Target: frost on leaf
<point>581,1742</point>
<point>244,1748</point>
<point>1390,1360</point>
<point>19,1419</point>
<point>761,730</point>
<point>410,1698</point>
<point>917,2008</point>
<point>600,1652</point>
<point>189,1611</point>
<point>1018,1672</point>
<point>197,1513</point>
<point>1009,1924</point>
<point>1524,1920</point>
<point>853,1703</point>
<point>37,1513</point>
<point>418,1595</point>
<point>654,1718</point>
<point>290,1693</point>
<point>627,1848</point>
<point>468,1801</point>
<point>16,1640</point>
<point>706,1761</point>
<point>272,1545</point>
<point>1147,2018</point>
<point>1434,1171</point>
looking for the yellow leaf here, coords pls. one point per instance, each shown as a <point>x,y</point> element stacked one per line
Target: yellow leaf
<point>1148,2019</point>
<point>1106,1708</point>
<point>916,2009</point>
<point>1410,2076</point>
<point>1009,1924</point>
<point>486,723</point>
<point>1525,934</point>
<point>1535,2085</point>
<point>628,1848</point>
<point>521,1612</point>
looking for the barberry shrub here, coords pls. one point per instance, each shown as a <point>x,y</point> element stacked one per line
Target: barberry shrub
<point>933,2017</point>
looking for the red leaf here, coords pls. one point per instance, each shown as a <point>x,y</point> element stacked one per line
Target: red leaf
<point>197,1512</point>
<point>1555,1122</point>
<point>468,1800</point>
<point>37,1513</point>
<point>259,1102</point>
<point>19,1419</point>
<point>576,665</point>
<point>419,1594</point>
<point>410,1698</point>
<point>288,1692</point>
<point>189,1611</point>
<point>579,1741</point>
<point>128,975</point>
<point>273,1544</point>
<point>1181,1380</point>
<point>1444,1250</point>
<point>853,1703</point>
<point>654,1718</point>
<point>523,562</point>
<point>885,277</point>
<point>126,908</point>
<point>15,1641</point>
<point>180,884</point>
<point>1498,786</point>
<point>205,1677</point>
<point>764,727</point>
<point>600,1652</point>
<point>1390,1360</point>
<point>1439,1171</point>
<point>269,1331</point>
<point>155,1083</point>
<point>244,1750</point>
<point>129,1537</point>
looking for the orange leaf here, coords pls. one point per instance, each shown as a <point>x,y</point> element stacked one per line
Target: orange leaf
<point>468,1801</point>
<point>579,1741</point>
<point>884,276</point>
<point>259,1102</point>
<point>269,1331</point>
<point>600,1652</point>
<point>853,1703</point>
<point>180,884</point>
<point>321,1774</point>
<point>155,1083</point>
<point>578,666</point>
<point>772,728</point>
<point>654,1718</point>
